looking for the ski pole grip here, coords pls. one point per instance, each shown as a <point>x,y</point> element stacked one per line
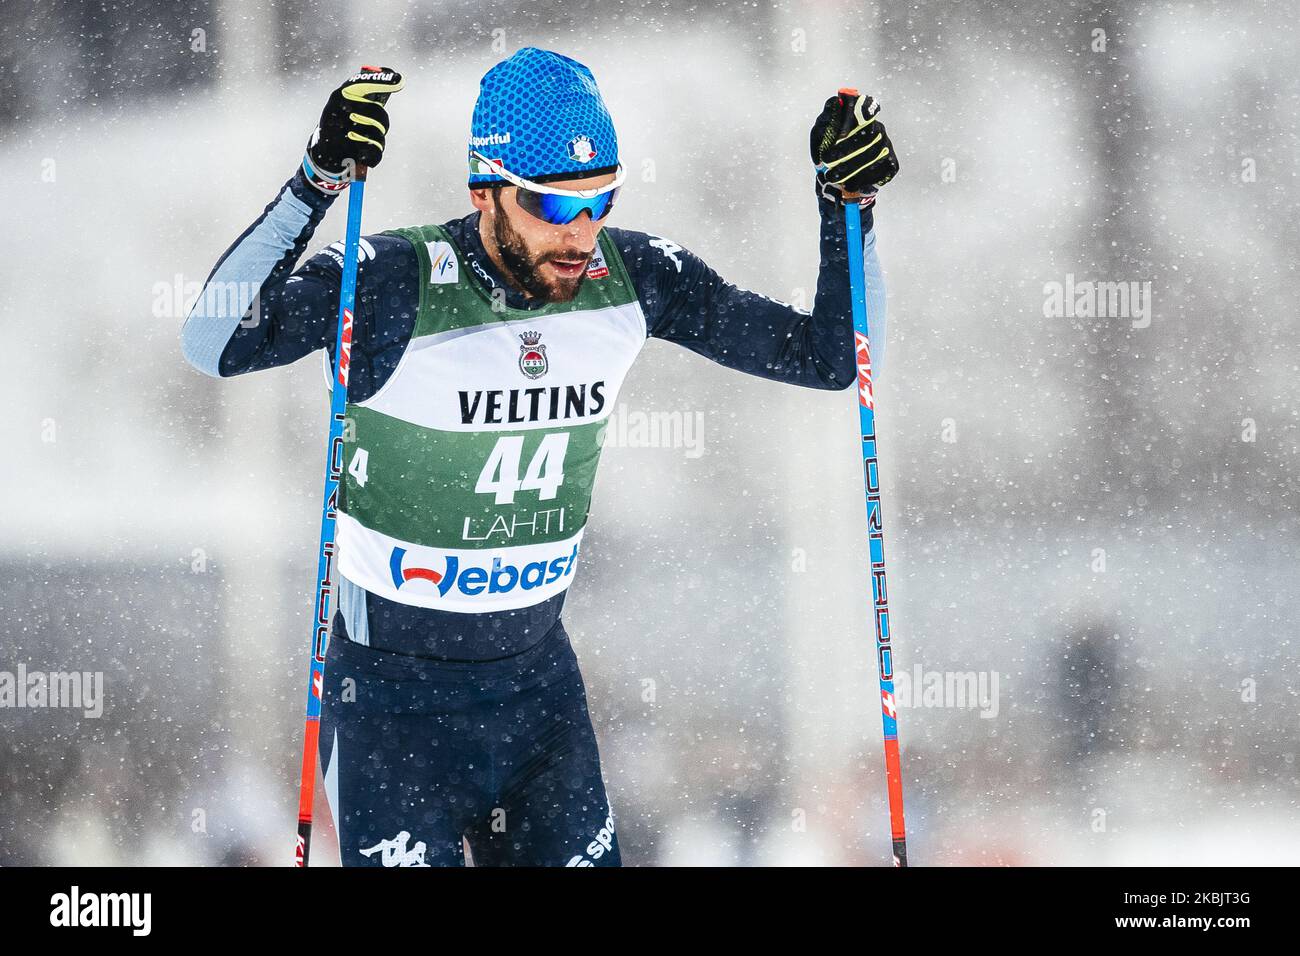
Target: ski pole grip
<point>382,100</point>
<point>847,95</point>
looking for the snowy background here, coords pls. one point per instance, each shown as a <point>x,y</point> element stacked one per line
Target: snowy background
<point>1099,511</point>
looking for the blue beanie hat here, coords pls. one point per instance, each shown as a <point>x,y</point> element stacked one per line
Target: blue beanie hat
<point>541,116</point>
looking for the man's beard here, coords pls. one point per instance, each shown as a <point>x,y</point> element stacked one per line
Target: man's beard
<point>526,268</point>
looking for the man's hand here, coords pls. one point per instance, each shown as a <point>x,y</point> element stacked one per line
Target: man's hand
<point>851,149</point>
<point>352,129</point>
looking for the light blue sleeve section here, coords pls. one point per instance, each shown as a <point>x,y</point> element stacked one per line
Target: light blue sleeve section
<point>877,313</point>
<point>352,605</point>
<point>233,285</point>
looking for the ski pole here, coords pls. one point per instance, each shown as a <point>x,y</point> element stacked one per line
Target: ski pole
<point>329,511</point>
<point>875,524</point>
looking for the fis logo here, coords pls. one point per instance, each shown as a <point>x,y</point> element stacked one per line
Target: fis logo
<point>471,579</point>
<point>444,269</point>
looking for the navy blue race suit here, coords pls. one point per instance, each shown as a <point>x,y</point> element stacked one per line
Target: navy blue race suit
<point>441,725</point>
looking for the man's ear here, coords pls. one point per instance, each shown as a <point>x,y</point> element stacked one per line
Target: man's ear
<point>481,199</point>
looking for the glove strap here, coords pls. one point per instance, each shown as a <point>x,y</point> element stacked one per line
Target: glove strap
<point>833,192</point>
<point>331,184</point>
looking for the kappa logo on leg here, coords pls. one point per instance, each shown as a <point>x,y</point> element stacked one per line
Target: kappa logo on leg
<point>394,852</point>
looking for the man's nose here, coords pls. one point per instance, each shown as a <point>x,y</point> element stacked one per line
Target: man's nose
<point>583,231</point>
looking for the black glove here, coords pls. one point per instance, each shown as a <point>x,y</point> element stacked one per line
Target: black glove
<point>851,149</point>
<point>352,129</point>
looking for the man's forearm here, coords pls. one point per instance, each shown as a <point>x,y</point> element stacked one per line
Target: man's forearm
<point>260,259</point>
<point>690,304</point>
<point>833,308</point>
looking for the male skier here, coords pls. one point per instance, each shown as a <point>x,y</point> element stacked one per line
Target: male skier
<point>487,354</point>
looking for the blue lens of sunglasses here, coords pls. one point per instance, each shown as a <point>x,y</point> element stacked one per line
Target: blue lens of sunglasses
<point>562,210</point>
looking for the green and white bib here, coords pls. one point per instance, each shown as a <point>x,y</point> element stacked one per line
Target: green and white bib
<point>469,473</point>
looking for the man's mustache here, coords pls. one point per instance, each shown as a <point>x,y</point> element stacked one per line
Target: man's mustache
<point>573,256</point>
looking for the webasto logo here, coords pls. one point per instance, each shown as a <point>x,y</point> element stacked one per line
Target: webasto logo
<point>474,579</point>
